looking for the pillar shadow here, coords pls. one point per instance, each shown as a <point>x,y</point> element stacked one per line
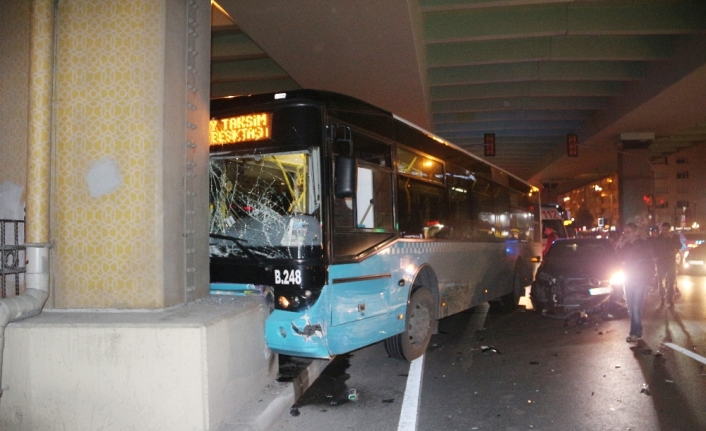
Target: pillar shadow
<point>673,411</point>
<point>670,402</point>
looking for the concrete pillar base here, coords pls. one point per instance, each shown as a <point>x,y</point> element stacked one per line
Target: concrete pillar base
<point>187,368</point>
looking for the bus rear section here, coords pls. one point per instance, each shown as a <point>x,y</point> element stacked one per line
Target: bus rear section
<point>358,226</point>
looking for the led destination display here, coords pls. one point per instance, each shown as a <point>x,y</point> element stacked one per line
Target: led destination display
<point>243,128</point>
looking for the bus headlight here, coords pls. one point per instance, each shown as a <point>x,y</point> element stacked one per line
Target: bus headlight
<point>618,278</point>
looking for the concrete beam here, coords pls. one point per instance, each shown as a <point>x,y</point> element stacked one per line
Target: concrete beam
<point>579,18</point>
<point>527,89</point>
<point>537,71</point>
<point>594,48</point>
<point>514,103</point>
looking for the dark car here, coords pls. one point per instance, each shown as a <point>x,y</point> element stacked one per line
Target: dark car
<point>695,261</point>
<point>693,239</point>
<point>690,240</point>
<point>578,274</point>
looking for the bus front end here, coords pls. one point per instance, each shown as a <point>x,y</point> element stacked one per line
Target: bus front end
<point>265,218</point>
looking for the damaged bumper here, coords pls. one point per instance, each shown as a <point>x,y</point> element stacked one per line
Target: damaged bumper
<point>296,334</point>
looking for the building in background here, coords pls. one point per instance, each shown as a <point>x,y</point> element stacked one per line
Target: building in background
<point>679,196</point>
<point>594,204</point>
<point>679,185</point>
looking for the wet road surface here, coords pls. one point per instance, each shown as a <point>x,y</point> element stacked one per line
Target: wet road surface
<point>487,370</point>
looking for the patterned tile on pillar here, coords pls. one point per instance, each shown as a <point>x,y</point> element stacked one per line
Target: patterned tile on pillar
<point>109,92</point>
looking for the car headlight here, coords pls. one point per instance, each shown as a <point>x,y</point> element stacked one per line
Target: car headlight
<point>617,278</point>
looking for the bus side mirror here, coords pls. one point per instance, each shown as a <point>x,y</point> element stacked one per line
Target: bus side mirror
<point>345,181</point>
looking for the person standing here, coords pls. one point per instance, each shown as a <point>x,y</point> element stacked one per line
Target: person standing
<point>667,247</point>
<point>551,236</point>
<point>653,241</point>
<point>638,267</point>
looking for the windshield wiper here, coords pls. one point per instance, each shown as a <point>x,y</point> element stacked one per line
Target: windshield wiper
<point>239,242</point>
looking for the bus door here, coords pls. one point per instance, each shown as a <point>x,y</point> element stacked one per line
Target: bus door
<point>362,222</point>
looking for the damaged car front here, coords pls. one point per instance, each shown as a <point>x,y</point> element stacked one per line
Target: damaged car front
<point>579,274</point>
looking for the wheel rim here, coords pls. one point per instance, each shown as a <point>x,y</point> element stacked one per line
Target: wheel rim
<point>419,324</point>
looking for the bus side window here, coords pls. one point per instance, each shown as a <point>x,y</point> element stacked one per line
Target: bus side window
<point>364,195</point>
<point>374,199</point>
<point>365,218</point>
<point>422,208</point>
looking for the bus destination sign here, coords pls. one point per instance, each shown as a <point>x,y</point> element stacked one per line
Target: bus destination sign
<point>243,128</point>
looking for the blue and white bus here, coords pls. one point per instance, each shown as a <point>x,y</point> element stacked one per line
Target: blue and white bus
<point>361,226</point>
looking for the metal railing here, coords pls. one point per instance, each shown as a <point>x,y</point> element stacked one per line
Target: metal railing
<point>12,256</point>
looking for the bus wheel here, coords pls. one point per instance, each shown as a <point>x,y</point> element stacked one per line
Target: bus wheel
<point>510,301</point>
<point>413,342</point>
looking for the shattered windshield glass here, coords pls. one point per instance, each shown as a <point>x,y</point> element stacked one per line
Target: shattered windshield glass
<point>267,205</point>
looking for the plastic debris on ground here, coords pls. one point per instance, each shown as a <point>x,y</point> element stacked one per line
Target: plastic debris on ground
<point>352,394</point>
<point>486,350</point>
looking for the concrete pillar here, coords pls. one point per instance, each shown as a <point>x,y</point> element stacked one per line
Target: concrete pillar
<point>635,182</point>
<point>130,188</point>
<point>14,100</point>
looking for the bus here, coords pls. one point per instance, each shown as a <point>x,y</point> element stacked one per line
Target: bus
<point>359,225</point>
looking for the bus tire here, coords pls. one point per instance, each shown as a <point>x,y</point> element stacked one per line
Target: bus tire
<point>413,342</point>
<point>510,301</point>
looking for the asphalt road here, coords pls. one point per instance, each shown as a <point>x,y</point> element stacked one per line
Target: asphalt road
<point>487,370</point>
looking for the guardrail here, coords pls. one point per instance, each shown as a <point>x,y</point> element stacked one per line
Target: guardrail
<point>12,256</point>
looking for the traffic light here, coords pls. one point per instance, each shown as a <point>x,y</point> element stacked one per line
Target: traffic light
<point>489,141</point>
<point>572,145</point>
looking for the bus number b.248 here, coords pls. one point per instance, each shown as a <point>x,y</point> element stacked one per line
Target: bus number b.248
<point>288,276</point>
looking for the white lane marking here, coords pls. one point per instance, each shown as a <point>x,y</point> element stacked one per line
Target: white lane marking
<point>410,403</point>
<point>688,353</point>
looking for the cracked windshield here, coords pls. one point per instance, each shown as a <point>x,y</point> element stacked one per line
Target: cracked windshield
<point>265,206</point>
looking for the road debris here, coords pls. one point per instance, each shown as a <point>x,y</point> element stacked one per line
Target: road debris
<point>352,394</point>
<point>489,349</point>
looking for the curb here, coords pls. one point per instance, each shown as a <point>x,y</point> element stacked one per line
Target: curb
<point>275,400</point>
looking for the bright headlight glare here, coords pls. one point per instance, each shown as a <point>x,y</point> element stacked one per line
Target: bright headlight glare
<point>617,278</point>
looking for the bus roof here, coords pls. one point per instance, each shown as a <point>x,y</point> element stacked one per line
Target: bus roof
<point>339,102</point>
<point>456,147</point>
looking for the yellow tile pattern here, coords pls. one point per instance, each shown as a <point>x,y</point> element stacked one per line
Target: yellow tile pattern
<point>109,93</point>
<point>14,97</point>
<point>39,142</point>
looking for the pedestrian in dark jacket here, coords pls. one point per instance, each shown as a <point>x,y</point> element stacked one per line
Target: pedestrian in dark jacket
<point>666,248</point>
<point>639,269</point>
<point>653,241</point>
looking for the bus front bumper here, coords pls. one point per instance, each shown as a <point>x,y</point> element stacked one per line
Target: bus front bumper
<point>296,334</point>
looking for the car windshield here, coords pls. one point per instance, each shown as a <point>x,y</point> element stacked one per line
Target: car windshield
<point>696,237</point>
<point>579,250</point>
<point>267,205</point>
